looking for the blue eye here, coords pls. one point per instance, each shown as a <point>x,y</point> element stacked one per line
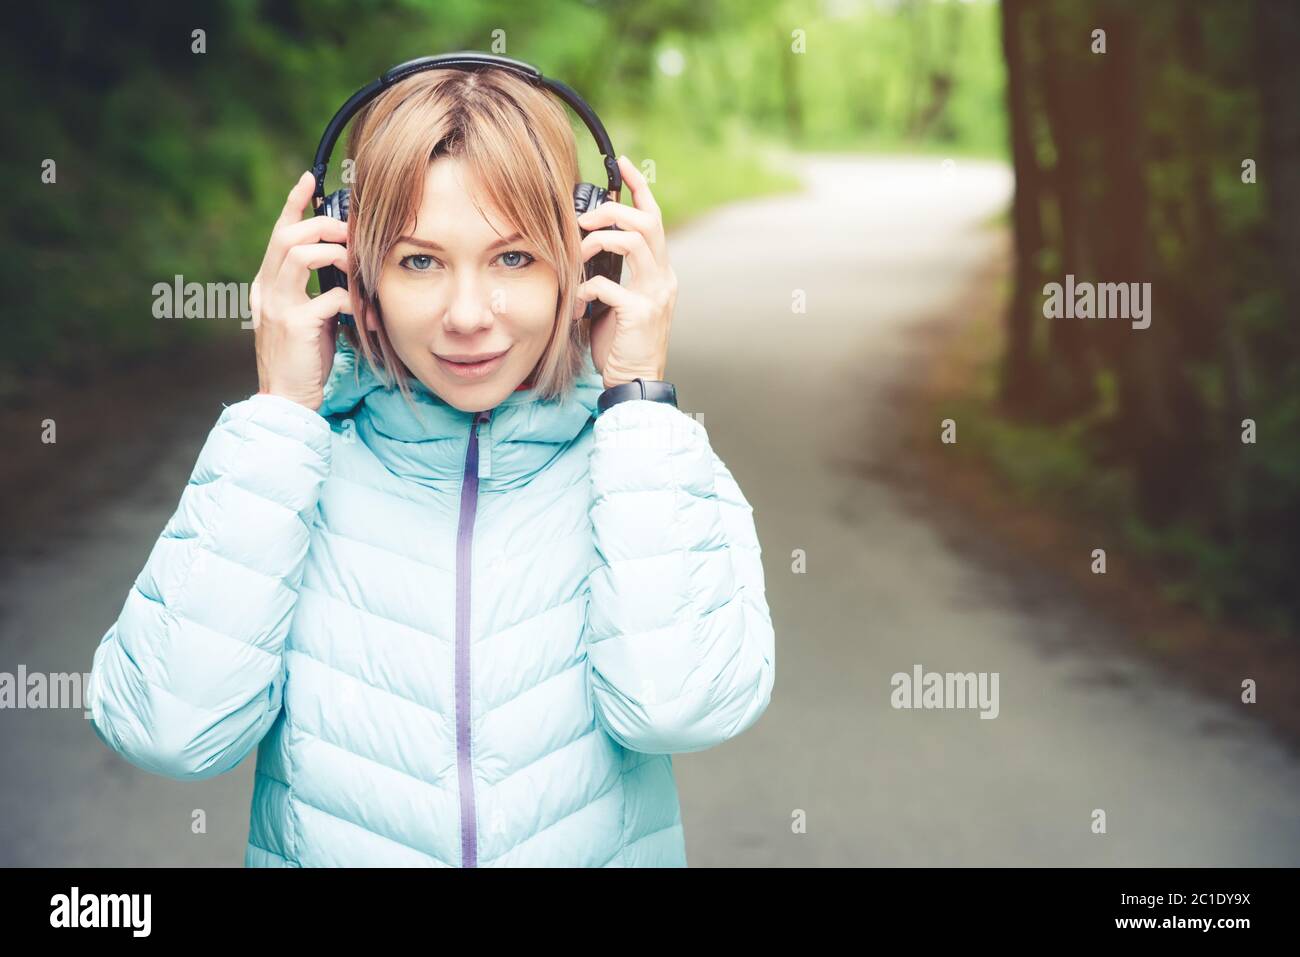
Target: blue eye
<point>417,263</point>
<point>516,252</point>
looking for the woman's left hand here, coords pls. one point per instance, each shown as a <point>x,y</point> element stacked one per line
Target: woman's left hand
<point>631,340</point>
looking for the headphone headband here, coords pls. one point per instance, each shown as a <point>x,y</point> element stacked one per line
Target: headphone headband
<point>460,60</point>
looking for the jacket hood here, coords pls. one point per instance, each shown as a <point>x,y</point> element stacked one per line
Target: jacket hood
<point>428,444</point>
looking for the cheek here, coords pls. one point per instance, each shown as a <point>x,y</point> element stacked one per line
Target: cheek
<point>528,302</point>
<point>404,306</point>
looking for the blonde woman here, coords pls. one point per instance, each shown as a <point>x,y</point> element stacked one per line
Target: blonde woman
<point>465,612</point>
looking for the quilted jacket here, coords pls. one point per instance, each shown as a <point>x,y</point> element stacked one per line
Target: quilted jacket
<point>460,639</point>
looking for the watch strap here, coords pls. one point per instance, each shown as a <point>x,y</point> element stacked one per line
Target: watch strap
<point>655,390</point>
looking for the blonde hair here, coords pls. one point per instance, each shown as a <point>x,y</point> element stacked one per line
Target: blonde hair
<point>519,150</point>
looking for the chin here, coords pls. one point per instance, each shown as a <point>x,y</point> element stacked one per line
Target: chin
<point>476,396</point>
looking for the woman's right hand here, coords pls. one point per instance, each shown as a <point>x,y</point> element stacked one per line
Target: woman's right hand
<point>293,332</point>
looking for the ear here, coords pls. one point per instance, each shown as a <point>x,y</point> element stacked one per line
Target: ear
<point>371,321</point>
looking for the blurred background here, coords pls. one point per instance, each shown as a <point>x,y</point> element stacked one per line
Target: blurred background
<point>865,201</point>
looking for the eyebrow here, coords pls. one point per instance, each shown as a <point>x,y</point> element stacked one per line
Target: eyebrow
<point>430,244</point>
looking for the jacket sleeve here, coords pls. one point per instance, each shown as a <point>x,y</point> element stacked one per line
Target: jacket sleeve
<point>189,678</point>
<point>679,639</point>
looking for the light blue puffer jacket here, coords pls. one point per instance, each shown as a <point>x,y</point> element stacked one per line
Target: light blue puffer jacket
<point>452,650</point>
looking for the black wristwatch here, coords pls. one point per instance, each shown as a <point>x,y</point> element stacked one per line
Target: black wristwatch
<point>655,390</point>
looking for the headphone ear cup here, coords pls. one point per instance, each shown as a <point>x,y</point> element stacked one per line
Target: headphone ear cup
<point>586,197</point>
<point>336,206</point>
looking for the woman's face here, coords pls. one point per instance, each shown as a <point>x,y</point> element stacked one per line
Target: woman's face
<point>461,287</point>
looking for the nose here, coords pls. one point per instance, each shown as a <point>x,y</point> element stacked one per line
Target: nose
<point>471,306</point>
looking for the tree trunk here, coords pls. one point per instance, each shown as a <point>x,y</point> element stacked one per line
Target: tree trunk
<point>1069,114</point>
<point>1278,56</point>
<point>1019,385</point>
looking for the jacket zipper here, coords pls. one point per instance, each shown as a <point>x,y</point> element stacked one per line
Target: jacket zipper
<point>464,555</point>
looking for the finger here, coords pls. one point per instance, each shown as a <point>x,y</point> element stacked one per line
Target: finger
<point>631,245</point>
<point>328,304</point>
<point>318,229</point>
<point>301,260</point>
<point>613,213</point>
<point>293,209</point>
<point>297,201</point>
<point>605,290</point>
<point>642,198</point>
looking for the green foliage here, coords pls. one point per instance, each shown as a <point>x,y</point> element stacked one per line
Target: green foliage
<point>1051,465</point>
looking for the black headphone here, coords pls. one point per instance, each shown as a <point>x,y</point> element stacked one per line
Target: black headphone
<point>586,196</point>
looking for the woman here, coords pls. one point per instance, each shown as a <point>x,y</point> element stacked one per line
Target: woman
<point>467,615</point>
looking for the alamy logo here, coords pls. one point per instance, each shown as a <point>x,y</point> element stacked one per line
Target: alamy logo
<point>102,910</point>
<point>36,689</point>
<point>930,689</point>
<point>1105,300</point>
<point>199,300</point>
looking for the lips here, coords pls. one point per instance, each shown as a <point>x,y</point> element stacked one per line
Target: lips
<point>467,359</point>
<point>472,369</point>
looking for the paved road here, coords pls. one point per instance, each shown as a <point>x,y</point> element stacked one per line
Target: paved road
<point>799,405</point>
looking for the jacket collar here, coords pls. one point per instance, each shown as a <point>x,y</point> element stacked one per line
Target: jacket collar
<point>428,445</point>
